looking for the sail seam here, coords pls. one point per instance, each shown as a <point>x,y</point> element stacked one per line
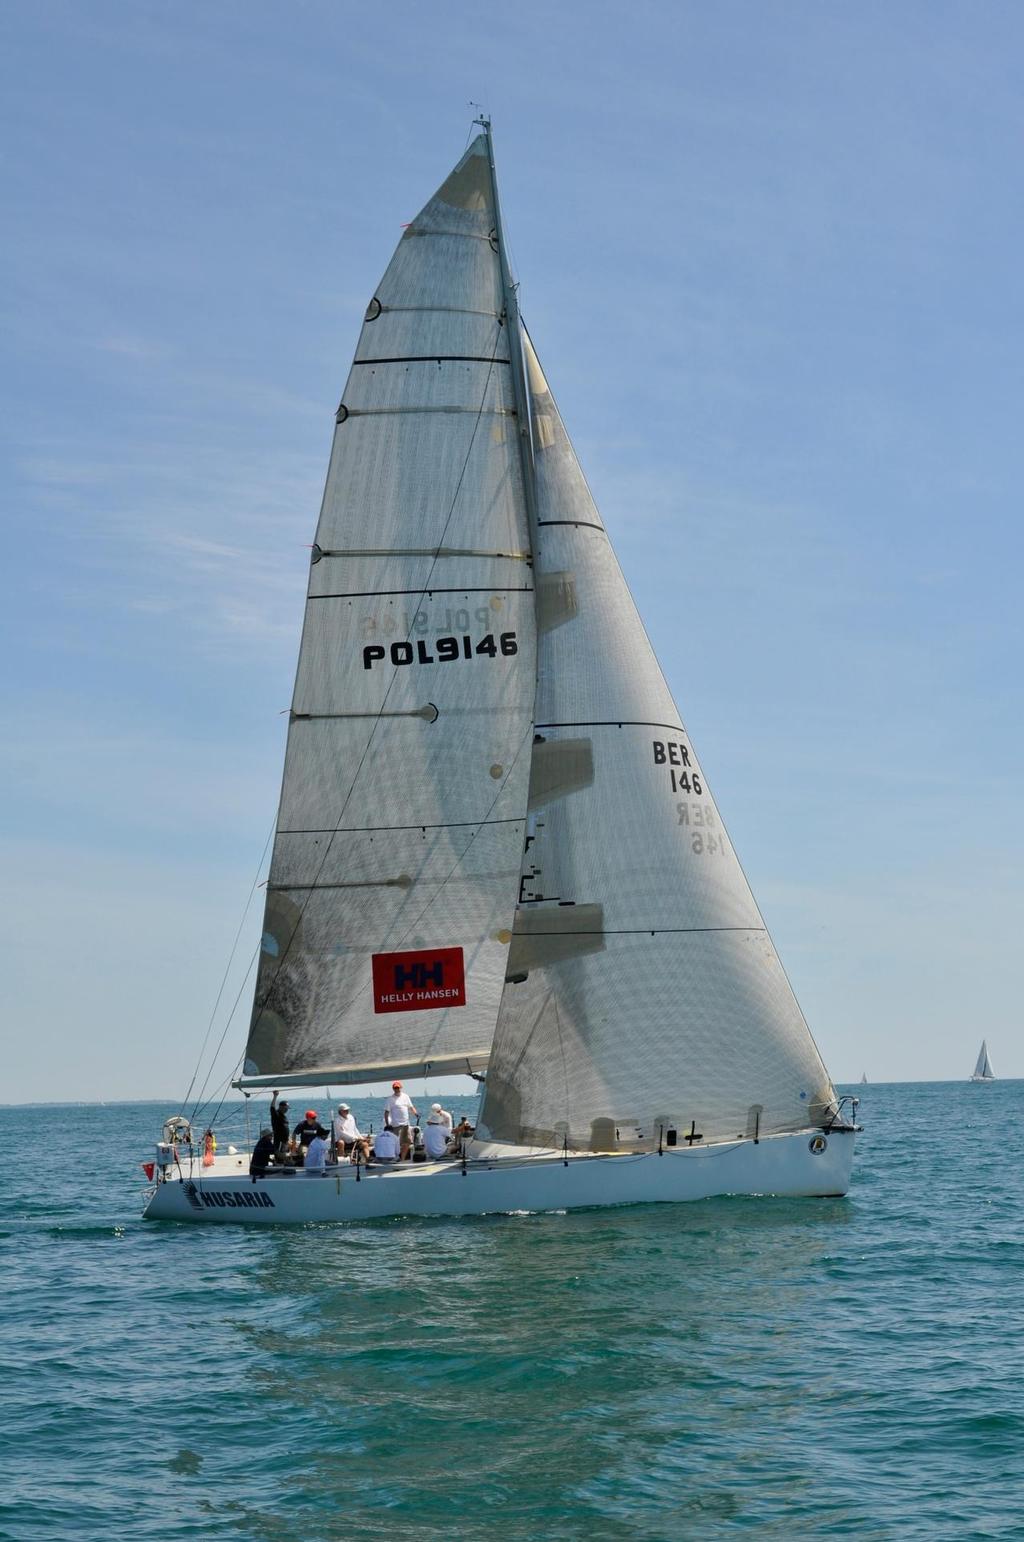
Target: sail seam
<point>366,594</point>
<point>481,412</point>
<point>445,310</point>
<point>588,524</point>
<point>632,931</point>
<point>464,235</point>
<point>451,824</point>
<point>614,722</point>
<point>433,358</point>
<point>418,551</point>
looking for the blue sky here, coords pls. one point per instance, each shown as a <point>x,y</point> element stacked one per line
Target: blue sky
<point>770,255</point>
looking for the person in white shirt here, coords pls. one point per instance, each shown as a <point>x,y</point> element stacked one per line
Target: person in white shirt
<point>316,1157</point>
<point>386,1146</point>
<point>443,1115</point>
<point>396,1113</point>
<point>435,1135</point>
<point>348,1138</point>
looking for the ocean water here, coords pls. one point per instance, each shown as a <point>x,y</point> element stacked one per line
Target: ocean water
<point>791,1369</point>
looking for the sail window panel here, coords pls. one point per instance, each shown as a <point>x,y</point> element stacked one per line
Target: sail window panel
<point>399,860</point>
<point>562,491</point>
<point>411,775</point>
<point>480,581</point>
<point>466,196</point>
<point>389,890</point>
<point>469,384</point>
<point>393,653</point>
<point>652,855</point>
<point>414,331</point>
<point>701,1026</point>
<point>337,910</point>
<point>316,1007</point>
<point>598,664</point>
<point>322,1015</point>
<point>422,480</point>
<point>443,269</point>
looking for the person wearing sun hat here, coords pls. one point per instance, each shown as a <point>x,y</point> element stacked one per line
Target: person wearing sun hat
<point>436,1132</point>
<point>396,1114</point>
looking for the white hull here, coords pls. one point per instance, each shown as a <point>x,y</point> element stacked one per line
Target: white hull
<point>981,1078</point>
<point>784,1165</point>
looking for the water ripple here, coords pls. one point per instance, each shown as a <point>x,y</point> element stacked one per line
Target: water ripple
<point>802,1369</point>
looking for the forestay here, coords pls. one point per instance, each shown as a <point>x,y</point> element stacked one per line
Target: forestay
<point>401,824</point>
<point>643,989</point>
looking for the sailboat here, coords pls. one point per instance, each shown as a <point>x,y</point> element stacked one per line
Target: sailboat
<point>863,1078</point>
<point>497,851</point>
<point>983,1071</point>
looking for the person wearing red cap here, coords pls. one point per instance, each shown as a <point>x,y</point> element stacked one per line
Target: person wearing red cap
<point>396,1114</point>
<point>306,1129</point>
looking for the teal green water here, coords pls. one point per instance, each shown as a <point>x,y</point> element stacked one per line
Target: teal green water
<point>809,1368</point>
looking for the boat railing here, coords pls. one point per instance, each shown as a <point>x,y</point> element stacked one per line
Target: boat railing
<point>843,1117</point>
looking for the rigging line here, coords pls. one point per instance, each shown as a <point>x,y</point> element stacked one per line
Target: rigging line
<point>227,1025</point>
<point>224,1089</point>
<point>565,1067</point>
<point>259,1008</point>
<point>227,969</point>
<point>636,931</point>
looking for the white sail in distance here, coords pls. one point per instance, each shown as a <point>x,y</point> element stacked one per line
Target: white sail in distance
<point>644,993</point>
<point>983,1071</point>
<point>401,825</point>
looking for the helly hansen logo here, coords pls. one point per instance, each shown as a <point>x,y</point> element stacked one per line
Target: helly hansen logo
<point>426,980</point>
<point>418,976</point>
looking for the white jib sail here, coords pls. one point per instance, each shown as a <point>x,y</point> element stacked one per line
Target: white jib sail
<point>400,833</point>
<point>644,991</point>
<point>983,1070</point>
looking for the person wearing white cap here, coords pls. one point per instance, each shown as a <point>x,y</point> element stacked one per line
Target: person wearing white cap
<point>347,1135</point>
<point>437,1131</point>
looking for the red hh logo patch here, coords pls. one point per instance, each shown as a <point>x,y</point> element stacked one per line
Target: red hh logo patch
<point>420,981</point>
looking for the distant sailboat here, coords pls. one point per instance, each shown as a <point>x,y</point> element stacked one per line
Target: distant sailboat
<point>863,1078</point>
<point>983,1071</point>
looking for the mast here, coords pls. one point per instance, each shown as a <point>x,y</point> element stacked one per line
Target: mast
<point>515,343</point>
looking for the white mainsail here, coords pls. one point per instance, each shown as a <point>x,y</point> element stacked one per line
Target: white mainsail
<point>983,1071</point>
<point>401,824</point>
<point>644,992</point>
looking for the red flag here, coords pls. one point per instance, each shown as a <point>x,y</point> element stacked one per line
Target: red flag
<point>149,1168</point>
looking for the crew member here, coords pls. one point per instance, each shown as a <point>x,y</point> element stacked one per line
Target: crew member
<point>396,1113</point>
<point>386,1146</point>
<point>348,1138</point>
<point>307,1128</point>
<point>261,1154</point>
<point>316,1155</point>
<point>279,1125</point>
<point>435,1133</point>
